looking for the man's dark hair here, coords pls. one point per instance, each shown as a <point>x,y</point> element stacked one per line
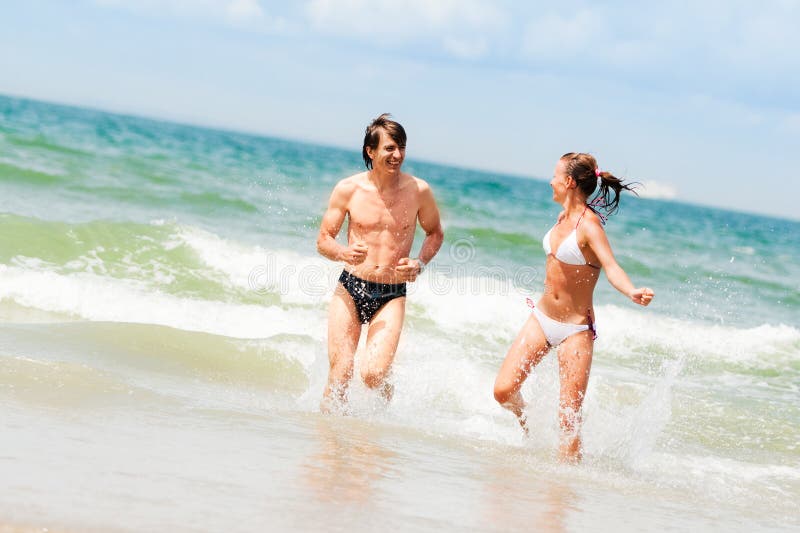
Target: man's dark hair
<point>372,136</point>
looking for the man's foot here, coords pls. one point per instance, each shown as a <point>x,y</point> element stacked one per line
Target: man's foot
<point>334,404</point>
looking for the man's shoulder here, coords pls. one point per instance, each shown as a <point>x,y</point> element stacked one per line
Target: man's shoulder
<point>419,183</point>
<point>349,184</point>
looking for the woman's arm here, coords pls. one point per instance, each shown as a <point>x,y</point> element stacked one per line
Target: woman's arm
<point>598,242</point>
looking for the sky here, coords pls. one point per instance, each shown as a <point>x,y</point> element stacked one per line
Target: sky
<point>700,101</point>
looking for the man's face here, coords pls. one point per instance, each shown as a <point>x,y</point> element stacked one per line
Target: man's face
<point>388,156</point>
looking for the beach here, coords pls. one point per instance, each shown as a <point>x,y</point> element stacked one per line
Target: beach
<point>163,350</point>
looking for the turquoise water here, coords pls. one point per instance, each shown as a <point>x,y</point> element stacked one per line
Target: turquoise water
<point>162,279</point>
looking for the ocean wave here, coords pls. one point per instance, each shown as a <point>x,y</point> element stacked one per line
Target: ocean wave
<point>188,278</point>
<point>98,298</point>
<point>104,358</point>
<point>213,201</point>
<point>64,384</point>
<point>633,333</point>
<point>41,143</point>
<point>29,174</point>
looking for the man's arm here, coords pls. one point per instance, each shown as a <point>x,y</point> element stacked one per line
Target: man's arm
<point>332,222</point>
<point>430,222</point>
<point>428,216</point>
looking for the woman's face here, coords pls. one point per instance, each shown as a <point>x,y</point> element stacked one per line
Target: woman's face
<point>561,181</point>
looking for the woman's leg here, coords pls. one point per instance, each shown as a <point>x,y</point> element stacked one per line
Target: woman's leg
<point>527,350</point>
<point>574,363</point>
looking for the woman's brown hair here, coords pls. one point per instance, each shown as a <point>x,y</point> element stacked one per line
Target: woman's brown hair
<point>590,179</point>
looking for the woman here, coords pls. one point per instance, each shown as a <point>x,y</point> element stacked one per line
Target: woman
<point>577,248</point>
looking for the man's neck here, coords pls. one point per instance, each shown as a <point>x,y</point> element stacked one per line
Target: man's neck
<point>382,180</point>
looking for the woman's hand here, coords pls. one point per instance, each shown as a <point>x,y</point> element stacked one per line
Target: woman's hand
<point>642,295</point>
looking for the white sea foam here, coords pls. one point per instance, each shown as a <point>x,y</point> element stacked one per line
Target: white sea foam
<point>296,278</point>
<point>98,298</point>
<point>460,307</point>
<point>492,306</point>
<point>636,331</point>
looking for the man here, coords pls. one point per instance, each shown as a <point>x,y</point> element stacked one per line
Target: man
<point>383,205</point>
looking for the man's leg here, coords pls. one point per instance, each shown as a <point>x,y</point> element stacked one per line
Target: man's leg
<point>383,336</point>
<point>344,330</point>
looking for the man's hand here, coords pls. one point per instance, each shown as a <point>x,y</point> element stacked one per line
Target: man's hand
<point>355,254</point>
<point>642,295</point>
<point>408,269</point>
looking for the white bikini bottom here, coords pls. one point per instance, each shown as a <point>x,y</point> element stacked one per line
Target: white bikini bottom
<point>556,331</point>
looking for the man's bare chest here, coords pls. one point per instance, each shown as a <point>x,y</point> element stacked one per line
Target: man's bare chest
<point>374,212</point>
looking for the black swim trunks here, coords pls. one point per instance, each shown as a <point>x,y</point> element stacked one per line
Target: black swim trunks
<point>370,296</point>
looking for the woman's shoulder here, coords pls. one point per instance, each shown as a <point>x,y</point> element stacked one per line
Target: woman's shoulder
<point>591,224</point>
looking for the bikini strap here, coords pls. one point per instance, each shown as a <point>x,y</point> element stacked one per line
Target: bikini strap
<point>581,217</point>
<point>591,324</point>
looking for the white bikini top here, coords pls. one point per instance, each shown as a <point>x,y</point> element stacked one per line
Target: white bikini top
<point>568,251</point>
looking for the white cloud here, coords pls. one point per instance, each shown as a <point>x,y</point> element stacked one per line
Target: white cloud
<point>460,27</point>
<point>591,35</point>
<point>716,43</point>
<point>240,13</point>
<point>732,114</point>
<point>402,16</point>
<point>554,34</point>
<point>243,10</point>
<point>791,123</point>
<point>465,48</point>
<point>655,189</point>
<point>767,34</point>
<point>171,7</point>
